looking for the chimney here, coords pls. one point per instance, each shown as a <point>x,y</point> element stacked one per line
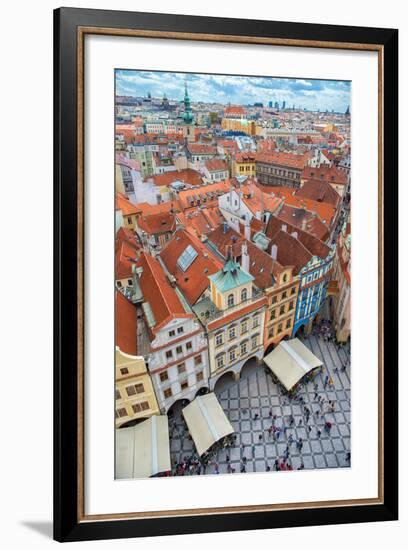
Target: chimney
<point>245,257</point>
<point>225,228</point>
<point>295,234</point>
<point>284,227</point>
<point>274,252</point>
<point>304,222</point>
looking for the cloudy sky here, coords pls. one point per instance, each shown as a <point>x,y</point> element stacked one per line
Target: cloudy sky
<point>312,94</point>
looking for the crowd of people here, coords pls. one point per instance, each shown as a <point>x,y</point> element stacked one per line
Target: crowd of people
<point>319,408</point>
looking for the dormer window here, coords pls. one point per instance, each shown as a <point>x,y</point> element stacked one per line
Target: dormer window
<point>244,295</point>
<point>230,300</point>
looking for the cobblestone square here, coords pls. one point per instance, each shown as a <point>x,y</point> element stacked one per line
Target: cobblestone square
<point>248,404</point>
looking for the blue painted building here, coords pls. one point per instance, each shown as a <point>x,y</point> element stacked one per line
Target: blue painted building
<point>314,279</point>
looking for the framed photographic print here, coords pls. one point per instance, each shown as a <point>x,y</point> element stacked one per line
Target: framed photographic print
<point>225,274</point>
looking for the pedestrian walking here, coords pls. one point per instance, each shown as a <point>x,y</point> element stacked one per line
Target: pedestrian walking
<point>260,437</point>
<point>256,416</point>
<point>319,433</point>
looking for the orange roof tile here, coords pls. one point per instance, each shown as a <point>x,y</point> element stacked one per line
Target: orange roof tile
<point>189,176</point>
<point>283,159</point>
<point>204,194</point>
<point>331,174</point>
<point>125,324</point>
<point>123,203</point>
<point>194,280</point>
<point>261,266</point>
<point>320,191</point>
<point>325,211</point>
<point>155,224</point>
<point>202,149</point>
<point>126,256</point>
<point>216,165</point>
<point>158,292</point>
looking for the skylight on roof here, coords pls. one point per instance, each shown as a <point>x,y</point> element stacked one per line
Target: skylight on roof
<point>187,258</point>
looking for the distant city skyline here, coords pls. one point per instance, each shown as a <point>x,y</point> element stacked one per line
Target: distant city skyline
<point>243,90</point>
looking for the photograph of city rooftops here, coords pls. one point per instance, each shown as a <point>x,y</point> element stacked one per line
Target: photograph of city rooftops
<point>232,274</point>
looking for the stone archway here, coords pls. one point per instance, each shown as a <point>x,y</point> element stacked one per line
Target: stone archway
<point>202,391</point>
<point>174,411</point>
<point>249,366</point>
<point>224,381</point>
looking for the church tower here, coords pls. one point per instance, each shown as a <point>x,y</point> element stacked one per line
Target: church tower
<point>188,118</point>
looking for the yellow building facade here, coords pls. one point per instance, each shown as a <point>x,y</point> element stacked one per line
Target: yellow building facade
<point>134,394</point>
<point>244,165</point>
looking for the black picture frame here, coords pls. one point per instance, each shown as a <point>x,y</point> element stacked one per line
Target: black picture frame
<point>67,525</point>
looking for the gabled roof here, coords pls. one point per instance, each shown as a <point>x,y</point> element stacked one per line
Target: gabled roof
<point>235,110</point>
<point>325,211</point>
<point>304,219</point>
<point>283,159</point>
<point>310,244</point>
<point>331,174</point>
<point>193,281</point>
<point>126,257</point>
<point>204,195</point>
<point>202,149</point>
<point>216,165</point>
<point>290,251</point>
<point>123,203</point>
<point>188,176</point>
<point>155,224</point>
<point>163,301</point>
<point>320,191</point>
<point>261,265</point>
<point>125,324</point>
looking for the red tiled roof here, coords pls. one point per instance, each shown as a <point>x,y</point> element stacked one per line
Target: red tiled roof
<point>124,234</point>
<point>189,197</point>
<point>320,191</point>
<point>200,222</point>
<point>256,200</point>
<point>304,219</point>
<point>215,165</point>
<point>202,149</point>
<point>261,266</point>
<point>156,224</point>
<point>147,209</point>
<point>194,281</point>
<point>158,292</point>
<point>125,324</point>
<point>290,250</point>
<point>283,159</point>
<point>325,211</point>
<point>123,203</point>
<point>235,110</point>
<point>314,246</point>
<point>266,145</point>
<point>125,258</point>
<point>189,176</point>
<point>331,174</point>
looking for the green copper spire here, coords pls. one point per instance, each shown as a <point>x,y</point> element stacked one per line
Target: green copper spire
<point>188,114</point>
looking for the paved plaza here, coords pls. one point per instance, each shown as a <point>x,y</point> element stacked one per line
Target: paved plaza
<point>251,403</point>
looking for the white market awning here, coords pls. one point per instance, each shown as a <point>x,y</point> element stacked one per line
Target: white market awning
<point>290,361</point>
<point>206,421</point>
<point>143,450</point>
